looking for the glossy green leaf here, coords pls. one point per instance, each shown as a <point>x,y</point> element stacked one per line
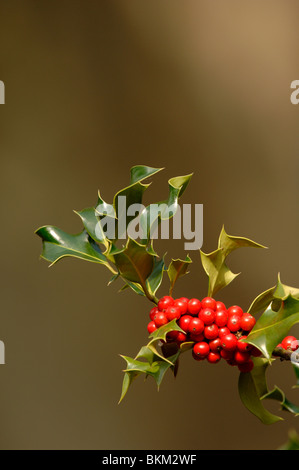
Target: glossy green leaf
<point>130,195</point>
<point>278,292</point>
<point>273,326</point>
<point>160,333</point>
<point>92,225</point>
<point>155,363</point>
<point>214,263</point>
<point>148,220</point>
<point>278,395</point>
<point>113,278</point>
<point>141,172</point>
<point>283,292</point>
<point>262,301</point>
<point>153,282</point>
<point>133,262</point>
<point>252,387</point>
<point>147,354</point>
<point>91,218</point>
<point>134,286</point>
<point>58,244</point>
<point>127,381</point>
<point>176,269</point>
<point>122,201</point>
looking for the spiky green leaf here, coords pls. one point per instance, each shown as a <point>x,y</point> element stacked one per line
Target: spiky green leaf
<point>164,210</point>
<point>278,395</point>
<point>58,244</point>
<point>252,387</point>
<point>273,326</point>
<point>154,363</point>
<point>214,263</point>
<point>176,269</point>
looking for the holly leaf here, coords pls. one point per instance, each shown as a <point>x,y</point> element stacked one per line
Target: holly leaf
<point>273,326</point>
<point>134,286</point>
<point>176,269</point>
<point>133,261</point>
<point>252,387</point>
<point>113,278</point>
<point>214,263</point>
<point>150,217</point>
<point>160,333</point>
<point>93,226</point>
<point>130,195</point>
<point>155,364</point>
<point>278,292</point>
<point>282,291</point>
<point>58,244</point>
<point>262,301</point>
<point>278,395</point>
<point>154,280</point>
<point>92,217</point>
<point>141,172</point>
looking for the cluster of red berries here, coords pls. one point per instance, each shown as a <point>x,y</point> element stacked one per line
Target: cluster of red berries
<point>216,331</point>
<point>289,343</point>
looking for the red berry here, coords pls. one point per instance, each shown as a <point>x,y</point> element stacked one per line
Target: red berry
<point>165,302</point>
<point>172,313</point>
<point>181,337</point>
<point>247,322</point>
<point>208,302</point>
<point>207,315</point>
<point>201,349</point>
<point>160,319</point>
<point>184,299</point>
<point>242,346</point>
<point>223,331</point>
<point>290,342</point>
<point>235,310</point>
<point>196,357</point>
<point>213,357</point>
<point>215,345</point>
<point>196,338</point>
<point>227,355</point>
<point>151,327</point>
<point>194,306</point>
<point>220,306</point>
<point>184,322</point>
<point>153,312</point>
<point>229,342</point>
<point>196,326</point>
<point>221,318</point>
<point>233,323</point>
<point>211,331</point>
<point>183,306</point>
<point>246,367</point>
<point>241,357</point>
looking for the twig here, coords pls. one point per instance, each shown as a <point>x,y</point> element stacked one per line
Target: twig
<point>286,354</point>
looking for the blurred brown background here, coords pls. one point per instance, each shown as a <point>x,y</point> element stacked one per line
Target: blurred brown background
<point>93,88</point>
